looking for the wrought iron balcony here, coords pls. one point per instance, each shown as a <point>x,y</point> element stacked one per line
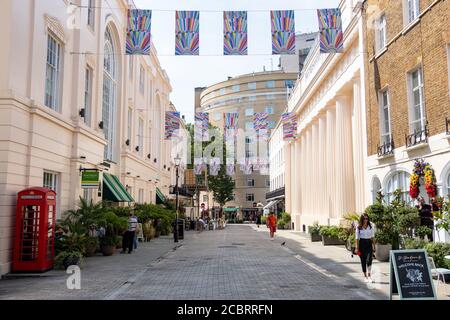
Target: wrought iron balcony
<point>447,125</point>
<point>418,137</point>
<point>276,193</point>
<point>386,148</point>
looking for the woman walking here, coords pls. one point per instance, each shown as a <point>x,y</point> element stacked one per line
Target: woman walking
<point>365,245</point>
<point>272,225</point>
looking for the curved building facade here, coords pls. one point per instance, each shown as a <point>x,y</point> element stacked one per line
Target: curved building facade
<point>246,95</point>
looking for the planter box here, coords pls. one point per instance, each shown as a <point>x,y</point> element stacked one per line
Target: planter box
<point>327,241</point>
<point>316,237</point>
<point>108,250</point>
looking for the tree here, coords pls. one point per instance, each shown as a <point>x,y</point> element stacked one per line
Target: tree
<point>222,187</point>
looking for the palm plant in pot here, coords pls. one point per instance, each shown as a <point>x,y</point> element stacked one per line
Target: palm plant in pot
<point>108,243</point>
<point>91,246</point>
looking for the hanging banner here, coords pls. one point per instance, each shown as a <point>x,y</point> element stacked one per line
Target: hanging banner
<point>283,31</point>
<point>187,33</point>
<point>261,125</point>
<point>138,39</point>
<point>199,165</point>
<point>90,179</point>
<point>201,129</point>
<point>230,166</point>
<point>289,121</point>
<point>235,33</point>
<point>230,125</point>
<point>330,29</point>
<point>172,124</point>
<point>214,166</point>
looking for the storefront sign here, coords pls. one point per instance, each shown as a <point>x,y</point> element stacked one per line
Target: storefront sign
<point>89,179</point>
<point>410,275</point>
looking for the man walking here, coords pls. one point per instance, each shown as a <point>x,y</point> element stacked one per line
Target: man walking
<point>272,225</point>
<point>128,237</point>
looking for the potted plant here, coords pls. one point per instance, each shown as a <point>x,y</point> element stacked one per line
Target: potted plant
<point>108,244</point>
<point>314,231</point>
<point>119,242</point>
<point>91,246</point>
<point>333,235</point>
<point>383,245</point>
<point>66,259</point>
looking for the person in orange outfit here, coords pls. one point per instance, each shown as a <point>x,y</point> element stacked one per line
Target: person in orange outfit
<point>272,224</point>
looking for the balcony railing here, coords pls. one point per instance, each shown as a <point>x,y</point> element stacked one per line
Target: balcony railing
<point>275,193</point>
<point>447,125</point>
<point>418,137</point>
<point>386,148</point>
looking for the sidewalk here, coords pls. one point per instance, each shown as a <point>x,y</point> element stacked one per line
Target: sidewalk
<point>337,261</point>
<point>101,277</point>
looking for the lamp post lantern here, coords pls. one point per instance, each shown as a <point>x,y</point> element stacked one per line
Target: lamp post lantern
<point>177,166</point>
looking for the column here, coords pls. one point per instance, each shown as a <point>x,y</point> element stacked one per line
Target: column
<point>315,183</point>
<point>358,144</point>
<point>322,162</point>
<point>308,168</point>
<point>330,162</point>
<point>298,176</point>
<point>287,177</point>
<point>345,186</point>
<point>294,178</point>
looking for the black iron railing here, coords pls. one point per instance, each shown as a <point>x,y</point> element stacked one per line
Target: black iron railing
<point>275,193</point>
<point>447,125</point>
<point>418,137</point>
<point>386,148</point>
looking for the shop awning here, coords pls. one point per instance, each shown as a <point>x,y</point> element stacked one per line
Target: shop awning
<point>160,198</point>
<point>114,190</point>
<point>271,204</point>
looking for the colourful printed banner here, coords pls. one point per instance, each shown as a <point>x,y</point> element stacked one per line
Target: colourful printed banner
<point>283,31</point>
<point>187,33</point>
<point>201,129</point>
<point>138,39</point>
<point>261,125</point>
<point>289,121</point>
<point>331,34</point>
<point>230,125</point>
<point>172,125</point>
<point>235,33</point>
<point>214,166</point>
<point>230,166</point>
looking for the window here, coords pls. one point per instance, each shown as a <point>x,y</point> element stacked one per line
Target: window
<point>141,196</point>
<point>289,83</point>
<point>412,10</point>
<point>249,112</point>
<point>248,140</point>
<point>109,95</point>
<point>222,91</point>
<point>236,88</point>
<point>399,180</point>
<point>267,183</point>
<point>249,125</point>
<point>381,33</point>
<point>252,98</point>
<point>252,85</point>
<point>205,198</point>
<point>217,116</point>
<point>91,14</point>
<point>270,96</point>
<point>417,106</point>
<point>50,181</point>
<point>142,80</point>
<point>88,96</point>
<point>250,197</point>
<point>131,66</point>
<point>250,182</point>
<point>448,184</point>
<point>269,110</point>
<point>150,140</point>
<point>270,84</point>
<point>53,73</point>
<point>129,126</point>
<point>376,187</point>
<point>385,124</point>
<point>87,195</point>
<point>249,154</point>
<point>140,136</point>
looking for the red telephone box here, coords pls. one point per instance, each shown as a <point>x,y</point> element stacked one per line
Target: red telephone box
<point>35,230</point>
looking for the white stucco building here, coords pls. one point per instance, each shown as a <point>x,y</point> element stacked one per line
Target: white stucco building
<point>69,99</point>
<point>325,174</point>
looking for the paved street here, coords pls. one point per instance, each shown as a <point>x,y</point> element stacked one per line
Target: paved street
<point>236,263</point>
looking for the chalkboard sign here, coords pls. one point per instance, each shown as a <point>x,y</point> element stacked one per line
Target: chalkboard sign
<point>410,275</point>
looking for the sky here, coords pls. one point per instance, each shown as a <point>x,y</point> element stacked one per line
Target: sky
<point>188,72</point>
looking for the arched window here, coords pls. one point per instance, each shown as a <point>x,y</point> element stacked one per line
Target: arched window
<point>376,187</point>
<point>448,184</point>
<point>109,94</point>
<point>398,180</point>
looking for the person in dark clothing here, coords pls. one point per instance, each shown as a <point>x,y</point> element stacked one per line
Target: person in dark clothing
<point>365,245</point>
<point>426,216</point>
<point>258,219</point>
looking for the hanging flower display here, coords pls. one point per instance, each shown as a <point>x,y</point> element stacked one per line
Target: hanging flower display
<point>430,181</point>
<point>422,169</point>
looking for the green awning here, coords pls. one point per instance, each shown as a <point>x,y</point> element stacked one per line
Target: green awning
<point>230,209</point>
<point>160,198</point>
<point>114,190</point>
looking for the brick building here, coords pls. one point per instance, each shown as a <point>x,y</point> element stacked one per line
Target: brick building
<point>408,100</point>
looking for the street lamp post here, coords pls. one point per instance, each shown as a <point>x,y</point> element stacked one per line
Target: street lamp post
<point>177,165</point>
